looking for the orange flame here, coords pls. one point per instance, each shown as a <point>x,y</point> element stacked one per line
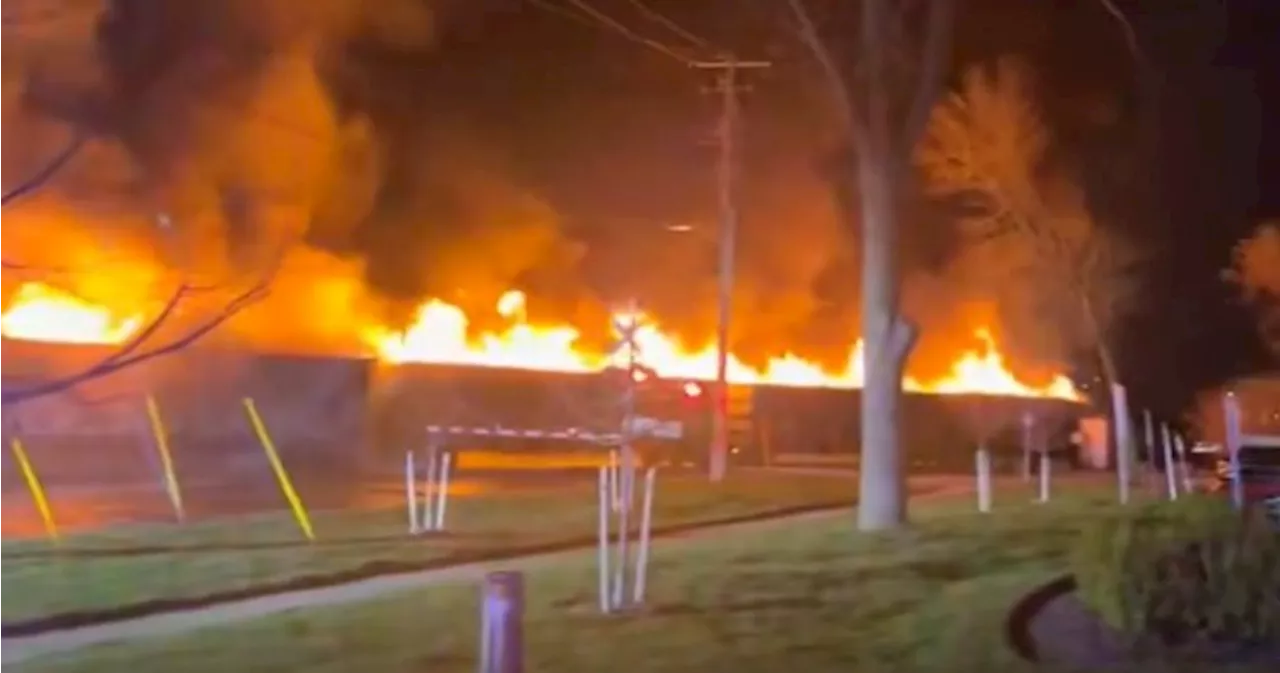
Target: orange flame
<point>438,335</point>
<point>40,312</point>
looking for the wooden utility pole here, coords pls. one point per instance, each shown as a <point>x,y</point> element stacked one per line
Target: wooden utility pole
<point>726,135</point>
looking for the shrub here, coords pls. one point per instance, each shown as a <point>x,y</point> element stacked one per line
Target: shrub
<point>1186,574</point>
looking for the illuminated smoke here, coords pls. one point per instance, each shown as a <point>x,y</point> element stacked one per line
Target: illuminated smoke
<point>242,125</point>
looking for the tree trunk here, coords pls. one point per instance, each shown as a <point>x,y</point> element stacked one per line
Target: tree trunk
<point>1109,373</point>
<point>888,340</point>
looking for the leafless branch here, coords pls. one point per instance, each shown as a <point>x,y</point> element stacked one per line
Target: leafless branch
<point>935,58</point>
<point>133,352</point>
<point>50,169</point>
<point>1130,36</point>
<point>809,34</point>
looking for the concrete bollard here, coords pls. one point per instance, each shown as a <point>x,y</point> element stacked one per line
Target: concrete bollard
<point>501,623</point>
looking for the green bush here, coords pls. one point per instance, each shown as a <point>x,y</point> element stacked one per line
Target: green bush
<point>1187,573</point>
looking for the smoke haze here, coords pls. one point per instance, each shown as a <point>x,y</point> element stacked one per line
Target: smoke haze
<point>226,134</point>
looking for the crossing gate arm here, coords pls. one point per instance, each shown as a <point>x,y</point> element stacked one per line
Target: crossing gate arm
<point>499,431</point>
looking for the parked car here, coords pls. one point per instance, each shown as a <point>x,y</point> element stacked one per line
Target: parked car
<point>1260,476</point>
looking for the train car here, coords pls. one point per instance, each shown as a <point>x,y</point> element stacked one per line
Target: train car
<point>532,412</point>
<point>515,410</point>
<point>822,426</point>
<point>791,426</point>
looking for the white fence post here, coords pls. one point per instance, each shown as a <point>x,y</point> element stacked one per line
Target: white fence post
<point>411,491</point>
<point>982,465</point>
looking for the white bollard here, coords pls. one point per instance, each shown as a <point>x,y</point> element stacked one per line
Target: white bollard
<point>642,550</point>
<point>626,481</point>
<point>411,491</point>
<point>1231,411</point>
<point>1046,467</point>
<point>612,539</point>
<point>982,466</point>
<point>442,490</point>
<point>1187,486</point>
<point>1171,483</point>
<point>1124,442</point>
<point>429,490</point>
<point>1028,428</point>
<point>1152,444</point>
<point>605,504</point>
<point>615,490</point>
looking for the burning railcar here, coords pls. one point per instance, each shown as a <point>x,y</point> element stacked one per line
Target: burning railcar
<point>524,387</point>
<point>338,415</point>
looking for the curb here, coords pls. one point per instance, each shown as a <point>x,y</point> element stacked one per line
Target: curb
<point>1018,623</point>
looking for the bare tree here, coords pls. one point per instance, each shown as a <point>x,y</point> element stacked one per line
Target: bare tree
<point>1255,269</point>
<point>884,69</point>
<point>1029,239</point>
<point>169,331</point>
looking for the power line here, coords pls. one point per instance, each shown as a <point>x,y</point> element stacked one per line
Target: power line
<point>562,11</point>
<point>613,24</point>
<point>658,17</point>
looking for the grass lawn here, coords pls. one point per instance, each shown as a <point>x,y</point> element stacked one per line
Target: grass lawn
<point>130,565</point>
<point>812,596</point>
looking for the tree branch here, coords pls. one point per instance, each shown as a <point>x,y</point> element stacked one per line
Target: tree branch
<point>43,175</point>
<point>835,79</point>
<point>132,353</point>
<point>934,61</point>
<point>1130,35</point>
<point>874,26</point>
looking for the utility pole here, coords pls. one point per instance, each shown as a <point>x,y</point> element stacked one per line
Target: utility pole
<point>726,135</point>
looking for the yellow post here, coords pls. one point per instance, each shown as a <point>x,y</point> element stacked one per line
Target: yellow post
<point>295,503</point>
<point>37,491</point>
<point>166,459</point>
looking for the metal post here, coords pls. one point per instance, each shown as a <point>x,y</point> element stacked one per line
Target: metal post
<point>615,495</point>
<point>442,490</point>
<point>602,538</point>
<point>1187,486</point>
<point>502,614</point>
<point>1150,435</point>
<point>1124,441</point>
<point>1046,468</point>
<point>1028,425</point>
<point>646,525</point>
<point>628,466</point>
<point>1231,408</point>
<point>982,464</point>
<point>428,492</point>
<point>1170,481</point>
<point>624,534</point>
<point>411,491</point>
